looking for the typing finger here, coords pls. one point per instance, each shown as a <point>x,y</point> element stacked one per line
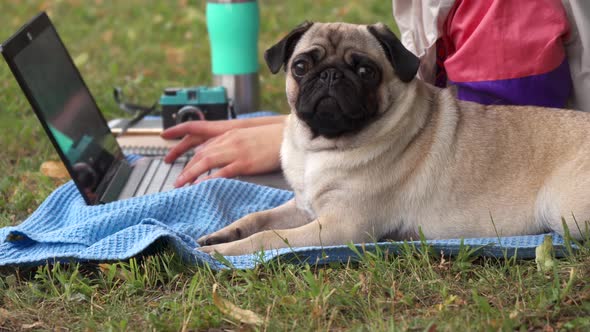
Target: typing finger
<point>228,171</point>
<point>179,130</point>
<point>200,128</point>
<point>204,164</point>
<point>202,150</point>
<point>179,149</point>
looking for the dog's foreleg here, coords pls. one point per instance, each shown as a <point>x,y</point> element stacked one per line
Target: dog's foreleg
<point>281,217</point>
<point>324,231</point>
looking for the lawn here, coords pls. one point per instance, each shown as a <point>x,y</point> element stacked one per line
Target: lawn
<point>145,46</point>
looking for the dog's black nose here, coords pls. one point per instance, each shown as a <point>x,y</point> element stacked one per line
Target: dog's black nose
<point>331,76</point>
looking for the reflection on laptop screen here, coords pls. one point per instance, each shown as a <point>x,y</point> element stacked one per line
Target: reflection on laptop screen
<point>67,108</point>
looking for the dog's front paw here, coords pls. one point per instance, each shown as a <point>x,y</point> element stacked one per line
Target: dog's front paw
<point>207,249</point>
<point>224,249</point>
<point>228,234</point>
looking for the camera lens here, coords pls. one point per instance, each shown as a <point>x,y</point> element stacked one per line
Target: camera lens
<point>189,113</point>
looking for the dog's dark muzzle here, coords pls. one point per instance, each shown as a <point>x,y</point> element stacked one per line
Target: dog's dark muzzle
<point>331,76</point>
<point>332,104</point>
<point>326,118</point>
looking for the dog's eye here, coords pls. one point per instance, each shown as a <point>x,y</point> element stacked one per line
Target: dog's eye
<point>300,67</point>
<point>365,72</point>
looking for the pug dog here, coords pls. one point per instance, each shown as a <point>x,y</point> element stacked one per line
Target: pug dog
<point>373,153</point>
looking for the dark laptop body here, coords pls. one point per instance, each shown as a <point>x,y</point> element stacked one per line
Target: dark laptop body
<point>71,118</point>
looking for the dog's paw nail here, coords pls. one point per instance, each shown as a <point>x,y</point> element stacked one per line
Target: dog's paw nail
<point>202,240</point>
<point>210,240</point>
<point>204,249</point>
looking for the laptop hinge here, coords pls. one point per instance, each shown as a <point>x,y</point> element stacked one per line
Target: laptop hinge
<point>117,182</point>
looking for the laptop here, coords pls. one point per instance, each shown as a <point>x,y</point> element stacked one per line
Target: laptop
<point>71,118</point>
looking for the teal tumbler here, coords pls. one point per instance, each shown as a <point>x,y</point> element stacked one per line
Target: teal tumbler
<point>233,33</point>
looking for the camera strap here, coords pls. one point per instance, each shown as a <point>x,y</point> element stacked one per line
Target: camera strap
<point>232,111</point>
<point>139,111</point>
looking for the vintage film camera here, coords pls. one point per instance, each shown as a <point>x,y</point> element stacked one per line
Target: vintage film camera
<point>197,103</point>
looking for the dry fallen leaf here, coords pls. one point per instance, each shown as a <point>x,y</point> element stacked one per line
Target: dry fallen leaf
<point>75,3</point>
<point>175,55</point>
<point>4,316</point>
<point>104,267</point>
<point>107,36</point>
<point>43,6</point>
<point>343,11</point>
<point>235,312</point>
<point>36,325</point>
<point>54,170</point>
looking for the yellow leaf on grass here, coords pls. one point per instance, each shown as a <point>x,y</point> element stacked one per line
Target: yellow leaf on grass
<point>131,34</point>
<point>158,19</point>
<point>81,59</point>
<point>235,312</point>
<point>544,255</point>
<point>54,170</point>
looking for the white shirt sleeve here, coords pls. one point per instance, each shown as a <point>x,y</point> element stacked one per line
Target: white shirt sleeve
<point>420,24</point>
<point>578,52</point>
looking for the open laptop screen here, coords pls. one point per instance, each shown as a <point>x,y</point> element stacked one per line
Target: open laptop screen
<point>65,106</point>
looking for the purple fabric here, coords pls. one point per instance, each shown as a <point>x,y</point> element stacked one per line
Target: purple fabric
<point>551,89</point>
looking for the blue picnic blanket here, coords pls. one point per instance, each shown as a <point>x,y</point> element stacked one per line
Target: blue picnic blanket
<point>64,228</point>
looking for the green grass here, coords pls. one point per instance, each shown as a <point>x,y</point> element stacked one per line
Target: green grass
<point>144,46</point>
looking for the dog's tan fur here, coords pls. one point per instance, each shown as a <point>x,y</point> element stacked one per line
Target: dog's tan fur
<point>450,168</point>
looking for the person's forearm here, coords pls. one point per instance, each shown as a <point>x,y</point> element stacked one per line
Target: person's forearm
<point>260,121</point>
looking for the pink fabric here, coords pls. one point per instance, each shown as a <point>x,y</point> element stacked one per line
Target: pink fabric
<point>504,39</point>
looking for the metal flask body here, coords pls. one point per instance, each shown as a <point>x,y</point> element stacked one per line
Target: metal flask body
<point>233,35</point>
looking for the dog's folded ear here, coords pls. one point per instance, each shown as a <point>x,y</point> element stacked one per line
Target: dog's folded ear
<point>403,61</point>
<point>278,55</point>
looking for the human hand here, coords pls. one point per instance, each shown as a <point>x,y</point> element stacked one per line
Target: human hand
<point>238,151</point>
<point>194,133</point>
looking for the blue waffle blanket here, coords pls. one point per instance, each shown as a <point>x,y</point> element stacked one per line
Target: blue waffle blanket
<point>64,228</point>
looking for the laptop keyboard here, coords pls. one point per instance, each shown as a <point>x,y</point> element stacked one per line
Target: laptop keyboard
<point>146,151</point>
<point>174,172</point>
<point>152,175</point>
<point>158,177</point>
<point>157,173</point>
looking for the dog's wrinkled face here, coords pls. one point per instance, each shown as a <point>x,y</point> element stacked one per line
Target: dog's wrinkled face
<point>335,73</point>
